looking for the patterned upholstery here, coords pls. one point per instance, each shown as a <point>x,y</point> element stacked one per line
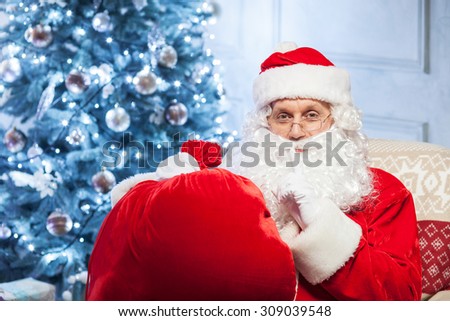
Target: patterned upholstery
<point>425,170</point>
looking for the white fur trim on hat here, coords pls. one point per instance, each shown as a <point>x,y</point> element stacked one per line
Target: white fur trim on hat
<point>325,83</point>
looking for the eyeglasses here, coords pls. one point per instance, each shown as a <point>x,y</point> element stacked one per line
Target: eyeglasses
<point>309,123</point>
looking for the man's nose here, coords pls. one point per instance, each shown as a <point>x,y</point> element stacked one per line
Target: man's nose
<point>296,132</point>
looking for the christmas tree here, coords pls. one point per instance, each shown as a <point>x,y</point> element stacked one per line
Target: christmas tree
<point>98,90</point>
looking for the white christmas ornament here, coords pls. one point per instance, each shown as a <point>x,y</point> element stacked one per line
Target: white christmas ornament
<point>117,119</point>
<point>14,140</point>
<point>59,223</point>
<point>168,57</point>
<point>77,82</point>
<point>103,181</point>
<point>176,114</point>
<point>5,232</point>
<point>67,295</point>
<point>10,70</point>
<point>102,22</point>
<point>214,9</point>
<point>39,36</point>
<point>145,82</point>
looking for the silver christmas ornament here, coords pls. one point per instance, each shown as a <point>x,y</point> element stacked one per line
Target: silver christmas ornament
<point>67,295</point>
<point>5,232</point>
<point>10,70</point>
<point>103,181</point>
<point>168,57</point>
<point>14,140</point>
<point>117,119</point>
<point>39,36</point>
<point>214,9</point>
<point>145,82</point>
<point>59,223</point>
<point>76,137</point>
<point>77,82</point>
<point>102,22</point>
<point>176,114</point>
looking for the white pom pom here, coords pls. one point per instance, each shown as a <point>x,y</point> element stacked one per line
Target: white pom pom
<point>286,46</point>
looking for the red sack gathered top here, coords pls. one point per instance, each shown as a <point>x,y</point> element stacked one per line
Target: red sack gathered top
<point>206,235</point>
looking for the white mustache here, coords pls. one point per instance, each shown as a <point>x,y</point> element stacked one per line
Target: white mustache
<point>304,144</point>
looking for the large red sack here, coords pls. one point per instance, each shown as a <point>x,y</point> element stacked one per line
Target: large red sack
<point>206,235</point>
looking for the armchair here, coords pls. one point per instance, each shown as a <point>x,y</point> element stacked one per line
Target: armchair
<point>425,170</point>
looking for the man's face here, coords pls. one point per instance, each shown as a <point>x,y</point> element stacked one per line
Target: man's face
<point>296,119</point>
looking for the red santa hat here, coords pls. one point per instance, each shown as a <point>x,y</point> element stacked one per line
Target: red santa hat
<point>293,72</point>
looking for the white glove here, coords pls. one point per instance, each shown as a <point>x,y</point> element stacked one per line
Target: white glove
<point>289,233</point>
<point>298,198</point>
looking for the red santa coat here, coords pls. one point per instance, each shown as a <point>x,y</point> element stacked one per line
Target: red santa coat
<point>386,264</point>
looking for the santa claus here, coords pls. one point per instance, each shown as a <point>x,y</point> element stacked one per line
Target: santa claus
<point>348,231</point>
<point>352,229</point>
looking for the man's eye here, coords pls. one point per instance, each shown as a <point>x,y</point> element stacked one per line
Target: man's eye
<point>283,117</point>
<point>312,115</point>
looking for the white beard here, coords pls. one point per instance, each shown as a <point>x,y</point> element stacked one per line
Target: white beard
<point>345,181</point>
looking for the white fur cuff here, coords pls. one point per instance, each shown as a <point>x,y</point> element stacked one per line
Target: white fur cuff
<point>326,244</point>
